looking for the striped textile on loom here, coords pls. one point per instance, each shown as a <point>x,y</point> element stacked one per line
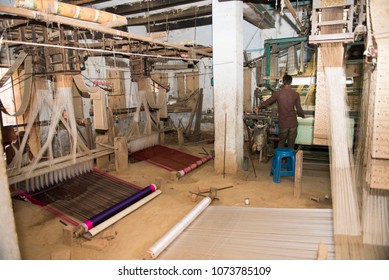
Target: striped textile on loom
<point>165,157</point>
<point>84,196</point>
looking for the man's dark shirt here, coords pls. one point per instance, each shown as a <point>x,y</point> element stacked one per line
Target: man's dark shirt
<point>287,100</point>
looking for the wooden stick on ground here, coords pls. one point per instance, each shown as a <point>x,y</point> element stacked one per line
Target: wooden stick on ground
<point>298,174</point>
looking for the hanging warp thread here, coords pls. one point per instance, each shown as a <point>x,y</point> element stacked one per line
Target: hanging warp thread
<point>343,186</point>
<point>344,192</point>
<point>149,138</point>
<point>63,104</point>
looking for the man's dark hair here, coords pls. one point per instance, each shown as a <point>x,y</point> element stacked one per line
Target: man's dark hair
<point>287,80</point>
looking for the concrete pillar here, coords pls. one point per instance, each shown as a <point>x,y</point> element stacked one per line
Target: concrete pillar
<point>227,29</point>
<point>9,247</point>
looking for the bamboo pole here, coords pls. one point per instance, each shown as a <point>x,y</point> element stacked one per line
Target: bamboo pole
<point>294,14</point>
<point>72,11</point>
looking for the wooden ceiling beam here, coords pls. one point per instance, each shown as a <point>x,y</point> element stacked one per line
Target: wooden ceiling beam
<point>84,2</point>
<point>258,16</point>
<point>180,24</point>
<point>147,6</point>
<point>172,15</point>
<point>84,25</point>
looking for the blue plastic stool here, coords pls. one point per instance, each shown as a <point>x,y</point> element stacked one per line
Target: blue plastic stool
<point>278,169</point>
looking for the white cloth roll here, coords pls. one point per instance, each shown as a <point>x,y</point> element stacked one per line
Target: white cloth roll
<point>172,234</point>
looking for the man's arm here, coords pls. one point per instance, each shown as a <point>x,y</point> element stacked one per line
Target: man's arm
<point>269,101</point>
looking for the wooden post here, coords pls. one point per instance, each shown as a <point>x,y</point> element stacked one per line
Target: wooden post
<point>9,246</point>
<point>161,133</point>
<point>89,134</point>
<point>102,162</point>
<point>121,153</point>
<point>34,139</point>
<point>322,252</point>
<point>68,235</point>
<point>158,182</point>
<point>298,174</point>
<point>111,127</point>
<point>180,132</point>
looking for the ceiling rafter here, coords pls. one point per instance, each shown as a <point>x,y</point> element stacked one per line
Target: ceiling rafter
<point>147,6</point>
<point>172,15</point>
<point>180,24</point>
<point>39,16</point>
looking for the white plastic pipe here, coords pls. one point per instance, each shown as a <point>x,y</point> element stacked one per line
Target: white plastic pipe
<point>172,234</point>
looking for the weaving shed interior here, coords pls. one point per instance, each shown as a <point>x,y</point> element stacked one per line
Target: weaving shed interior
<point>98,106</point>
<point>40,232</point>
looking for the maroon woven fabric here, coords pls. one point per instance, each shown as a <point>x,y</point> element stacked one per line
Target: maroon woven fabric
<point>165,157</point>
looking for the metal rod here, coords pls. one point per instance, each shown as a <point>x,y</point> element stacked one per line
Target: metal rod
<point>252,163</point>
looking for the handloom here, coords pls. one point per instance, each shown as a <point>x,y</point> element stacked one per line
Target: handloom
<point>51,165</point>
<point>170,159</point>
<point>90,199</point>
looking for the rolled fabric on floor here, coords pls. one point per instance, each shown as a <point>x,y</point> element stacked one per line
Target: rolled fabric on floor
<point>186,170</point>
<point>173,233</point>
<point>113,210</point>
<point>121,214</point>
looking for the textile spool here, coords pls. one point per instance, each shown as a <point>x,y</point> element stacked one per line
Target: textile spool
<point>173,233</point>
<point>113,210</point>
<point>92,232</point>
<point>186,170</point>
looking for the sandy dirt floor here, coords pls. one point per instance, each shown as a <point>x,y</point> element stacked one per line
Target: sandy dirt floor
<point>40,233</point>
